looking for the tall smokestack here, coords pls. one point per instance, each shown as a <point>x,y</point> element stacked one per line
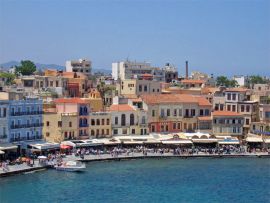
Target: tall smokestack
<point>186,69</point>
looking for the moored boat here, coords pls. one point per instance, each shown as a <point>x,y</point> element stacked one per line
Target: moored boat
<point>71,166</point>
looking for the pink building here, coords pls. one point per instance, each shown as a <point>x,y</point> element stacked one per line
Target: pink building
<point>79,106</point>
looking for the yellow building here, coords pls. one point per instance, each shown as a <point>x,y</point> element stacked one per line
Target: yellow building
<point>60,126</point>
<point>95,100</point>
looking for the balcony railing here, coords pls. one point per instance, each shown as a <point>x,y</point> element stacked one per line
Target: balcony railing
<point>82,113</point>
<point>26,113</point>
<point>3,136</point>
<point>82,125</point>
<point>26,125</point>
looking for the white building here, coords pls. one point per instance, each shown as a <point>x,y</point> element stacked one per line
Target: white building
<point>241,80</point>
<point>133,70</point>
<point>81,65</point>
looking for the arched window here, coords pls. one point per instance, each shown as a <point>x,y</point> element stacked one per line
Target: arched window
<point>85,121</point>
<point>132,119</point>
<point>143,120</point>
<point>85,109</point>
<point>92,132</point>
<point>81,121</point>
<point>123,119</point>
<point>98,122</point>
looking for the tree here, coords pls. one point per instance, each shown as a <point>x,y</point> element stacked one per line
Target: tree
<point>224,81</point>
<point>26,68</point>
<point>256,79</point>
<point>9,78</point>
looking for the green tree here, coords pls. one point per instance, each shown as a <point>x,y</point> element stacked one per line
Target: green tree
<point>9,77</point>
<point>256,79</point>
<point>224,81</point>
<point>26,68</point>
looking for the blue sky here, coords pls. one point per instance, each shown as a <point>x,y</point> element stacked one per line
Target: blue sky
<point>220,37</point>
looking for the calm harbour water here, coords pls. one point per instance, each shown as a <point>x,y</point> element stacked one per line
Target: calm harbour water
<point>164,180</point>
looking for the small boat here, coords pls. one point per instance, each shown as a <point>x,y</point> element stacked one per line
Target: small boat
<point>71,166</point>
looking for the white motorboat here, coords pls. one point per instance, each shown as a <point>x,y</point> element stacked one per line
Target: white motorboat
<point>71,166</point>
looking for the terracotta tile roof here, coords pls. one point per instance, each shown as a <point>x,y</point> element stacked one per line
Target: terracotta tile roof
<point>205,118</point>
<point>121,107</point>
<point>225,113</point>
<point>174,98</point>
<point>203,101</point>
<point>74,100</point>
<point>208,90</point>
<point>192,81</point>
<point>129,96</point>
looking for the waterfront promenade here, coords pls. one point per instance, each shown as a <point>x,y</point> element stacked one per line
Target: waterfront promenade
<point>24,168</point>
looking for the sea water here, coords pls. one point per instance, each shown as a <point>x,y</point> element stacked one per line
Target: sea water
<point>148,180</point>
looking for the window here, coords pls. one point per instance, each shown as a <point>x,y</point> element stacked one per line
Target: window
<point>175,112</point>
<point>174,126</point>
<point>247,108</point>
<point>193,112</point>
<point>233,121</point>
<point>242,108</point>
<point>98,122</point>
<point>143,120</point>
<point>4,112</point>
<point>229,96</point>
<point>228,107</point>
<point>70,124</point>
<point>153,113</point>
<point>180,112</point>
<point>140,88</point>
<point>221,107</point>
<point>233,108</point>
<point>133,131</point>
<point>102,122</point>
<point>207,112</point>
<point>108,121</point>
<point>47,123</point>
<point>179,126</point>
<point>59,123</point>
<point>201,112</point>
<point>131,119</point>
<point>123,119</point>
<point>152,128</point>
<point>116,120</point>
<point>168,112</point>
<point>93,122</point>
<point>157,90</point>
<point>145,88</point>
<point>216,107</point>
<point>107,132</point>
<point>234,97</point>
<point>124,131</point>
<point>247,121</point>
<point>57,84</point>
<point>92,132</point>
<point>162,113</point>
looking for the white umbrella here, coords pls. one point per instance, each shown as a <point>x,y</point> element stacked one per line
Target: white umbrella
<point>42,157</point>
<point>2,152</point>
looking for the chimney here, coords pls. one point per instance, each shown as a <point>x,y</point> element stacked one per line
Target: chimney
<point>186,69</point>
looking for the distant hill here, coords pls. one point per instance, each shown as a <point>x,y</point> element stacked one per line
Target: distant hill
<point>41,66</point>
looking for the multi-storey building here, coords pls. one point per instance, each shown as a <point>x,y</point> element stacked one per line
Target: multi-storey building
<point>175,112</point>
<point>60,126</point>
<point>128,120</point>
<point>100,124</point>
<point>132,70</point>
<point>171,73</point>
<point>81,65</point>
<point>4,118</point>
<point>139,87</point>
<point>238,100</point>
<point>79,106</point>
<point>25,119</point>
<point>227,123</point>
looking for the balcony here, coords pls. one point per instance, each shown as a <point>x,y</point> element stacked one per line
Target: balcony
<point>26,113</point>
<point>3,136</point>
<point>83,113</point>
<point>26,125</point>
<point>162,117</point>
<point>83,125</point>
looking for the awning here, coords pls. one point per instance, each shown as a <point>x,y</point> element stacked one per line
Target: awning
<point>152,141</point>
<point>254,139</point>
<point>176,142</point>
<point>204,140</point>
<point>229,142</point>
<point>45,146</point>
<point>2,152</point>
<point>7,146</point>
<point>133,142</point>
<point>267,141</point>
<point>68,143</point>
<point>65,147</point>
